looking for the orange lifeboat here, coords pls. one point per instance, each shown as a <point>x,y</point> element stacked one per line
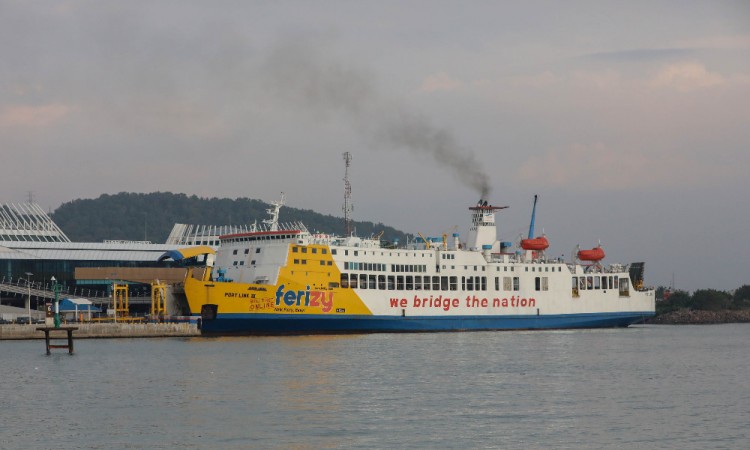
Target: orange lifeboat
<point>595,254</point>
<point>539,243</point>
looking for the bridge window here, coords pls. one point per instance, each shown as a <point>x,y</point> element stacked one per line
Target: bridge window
<point>624,287</point>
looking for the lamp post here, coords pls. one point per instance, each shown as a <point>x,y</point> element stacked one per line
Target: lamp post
<point>28,285</point>
<point>56,289</point>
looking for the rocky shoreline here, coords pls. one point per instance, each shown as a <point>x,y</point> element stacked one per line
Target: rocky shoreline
<point>699,317</point>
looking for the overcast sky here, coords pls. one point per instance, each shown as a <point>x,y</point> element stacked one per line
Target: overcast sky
<point>631,120</point>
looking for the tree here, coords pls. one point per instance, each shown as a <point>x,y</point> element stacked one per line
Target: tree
<point>674,301</point>
<point>133,216</point>
<point>680,299</point>
<point>742,297</point>
<point>711,300</point>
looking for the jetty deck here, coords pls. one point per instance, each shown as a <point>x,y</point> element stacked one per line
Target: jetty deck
<point>106,330</point>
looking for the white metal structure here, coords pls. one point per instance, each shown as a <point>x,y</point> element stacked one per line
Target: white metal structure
<point>28,222</point>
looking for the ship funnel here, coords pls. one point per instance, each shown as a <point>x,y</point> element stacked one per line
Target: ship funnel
<point>483,230</point>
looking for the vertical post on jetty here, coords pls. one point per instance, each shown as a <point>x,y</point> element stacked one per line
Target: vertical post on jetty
<point>56,287</point>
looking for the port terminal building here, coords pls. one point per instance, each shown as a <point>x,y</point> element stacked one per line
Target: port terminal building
<point>33,250</point>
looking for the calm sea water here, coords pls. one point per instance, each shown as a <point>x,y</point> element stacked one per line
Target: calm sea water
<point>644,386</point>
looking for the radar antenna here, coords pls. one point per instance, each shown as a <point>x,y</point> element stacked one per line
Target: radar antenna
<point>348,205</point>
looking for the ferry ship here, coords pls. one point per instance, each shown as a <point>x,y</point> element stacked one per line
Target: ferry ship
<point>284,279</point>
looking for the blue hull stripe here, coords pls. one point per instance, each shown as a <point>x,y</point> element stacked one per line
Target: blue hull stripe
<point>226,324</point>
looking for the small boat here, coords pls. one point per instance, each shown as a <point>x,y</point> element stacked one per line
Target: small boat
<point>538,244</point>
<point>595,254</point>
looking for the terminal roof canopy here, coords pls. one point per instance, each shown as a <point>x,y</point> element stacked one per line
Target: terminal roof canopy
<point>77,305</point>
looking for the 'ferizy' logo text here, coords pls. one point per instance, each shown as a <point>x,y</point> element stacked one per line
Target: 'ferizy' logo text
<point>314,299</point>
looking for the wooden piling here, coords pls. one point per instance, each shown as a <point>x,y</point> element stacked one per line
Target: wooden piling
<point>47,338</point>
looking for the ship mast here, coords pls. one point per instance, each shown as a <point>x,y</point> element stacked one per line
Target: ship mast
<point>273,212</point>
<point>348,205</point>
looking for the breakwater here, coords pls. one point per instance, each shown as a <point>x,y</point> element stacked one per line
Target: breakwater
<point>106,330</point>
<point>699,317</point>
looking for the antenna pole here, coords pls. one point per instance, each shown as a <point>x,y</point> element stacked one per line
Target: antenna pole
<point>348,206</point>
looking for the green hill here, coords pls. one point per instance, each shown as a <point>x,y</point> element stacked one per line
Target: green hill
<point>150,217</point>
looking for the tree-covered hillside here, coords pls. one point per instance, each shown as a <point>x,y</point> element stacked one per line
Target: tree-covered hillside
<point>150,217</point>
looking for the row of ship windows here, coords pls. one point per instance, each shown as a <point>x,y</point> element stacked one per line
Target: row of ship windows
<point>304,261</point>
<point>296,261</point>
<point>599,282</point>
<point>214,243</point>
<point>422,268</point>
<point>266,237</point>
<point>445,283</point>
<point>378,267</point>
<point>247,250</point>
<point>295,249</point>
<point>302,249</point>
<point>382,253</point>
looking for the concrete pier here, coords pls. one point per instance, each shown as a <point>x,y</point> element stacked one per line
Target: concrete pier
<point>107,330</point>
